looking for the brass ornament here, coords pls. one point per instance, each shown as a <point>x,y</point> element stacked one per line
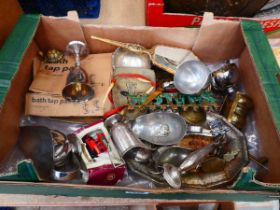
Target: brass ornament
<point>194,115</point>
<point>53,56</point>
<point>237,109</point>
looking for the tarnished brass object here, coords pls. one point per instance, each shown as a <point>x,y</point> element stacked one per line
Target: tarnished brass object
<point>236,142</point>
<point>53,56</point>
<point>236,111</point>
<point>195,142</point>
<point>212,165</point>
<point>194,114</point>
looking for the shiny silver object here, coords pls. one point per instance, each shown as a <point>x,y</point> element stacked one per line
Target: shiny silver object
<point>124,139</point>
<point>235,142</point>
<point>191,77</point>
<point>75,142</point>
<point>147,172</point>
<point>225,78</point>
<point>48,151</point>
<point>164,128</point>
<point>141,155</point>
<point>171,155</point>
<point>69,171</point>
<point>77,88</point>
<point>172,174</point>
<point>61,148</point>
<point>160,128</point>
<point>125,58</point>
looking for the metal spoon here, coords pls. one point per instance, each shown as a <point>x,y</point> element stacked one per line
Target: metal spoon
<point>165,128</point>
<point>172,174</point>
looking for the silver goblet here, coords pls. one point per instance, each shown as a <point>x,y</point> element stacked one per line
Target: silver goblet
<point>77,88</point>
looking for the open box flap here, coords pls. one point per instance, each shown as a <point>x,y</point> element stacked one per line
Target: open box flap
<point>223,35</point>
<point>50,36</point>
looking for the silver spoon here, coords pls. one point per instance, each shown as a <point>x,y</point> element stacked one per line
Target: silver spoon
<point>172,174</point>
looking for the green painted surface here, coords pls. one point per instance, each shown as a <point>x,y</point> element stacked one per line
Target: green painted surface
<point>25,172</point>
<point>266,65</point>
<point>246,182</point>
<point>14,48</point>
<point>115,193</point>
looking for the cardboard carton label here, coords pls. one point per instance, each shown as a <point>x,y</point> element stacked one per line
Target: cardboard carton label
<point>46,99</point>
<point>155,16</point>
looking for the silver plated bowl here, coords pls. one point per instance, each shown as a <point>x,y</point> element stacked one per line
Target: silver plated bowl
<point>160,128</point>
<point>191,77</point>
<point>125,58</point>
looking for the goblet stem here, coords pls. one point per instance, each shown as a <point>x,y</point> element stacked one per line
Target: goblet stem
<point>77,60</point>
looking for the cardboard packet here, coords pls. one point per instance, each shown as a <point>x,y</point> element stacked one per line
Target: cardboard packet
<point>46,100</point>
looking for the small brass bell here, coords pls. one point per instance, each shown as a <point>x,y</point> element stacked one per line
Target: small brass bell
<point>77,89</point>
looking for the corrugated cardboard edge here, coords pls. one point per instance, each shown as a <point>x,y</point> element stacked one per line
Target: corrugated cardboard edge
<point>9,59</point>
<point>266,66</point>
<point>73,190</point>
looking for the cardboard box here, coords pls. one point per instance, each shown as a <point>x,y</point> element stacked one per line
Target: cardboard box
<point>216,40</point>
<point>155,16</point>
<point>8,19</point>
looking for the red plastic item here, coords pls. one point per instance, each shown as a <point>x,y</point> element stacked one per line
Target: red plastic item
<point>101,145</point>
<point>155,16</point>
<point>92,144</point>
